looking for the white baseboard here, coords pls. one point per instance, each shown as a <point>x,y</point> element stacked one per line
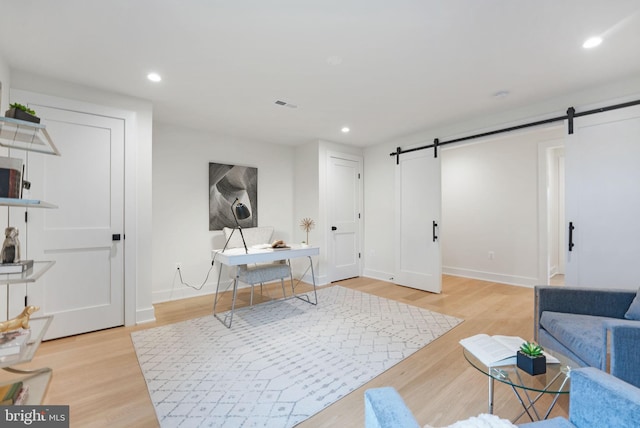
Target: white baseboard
<point>145,315</point>
<point>491,276</point>
<point>320,279</point>
<point>182,292</point>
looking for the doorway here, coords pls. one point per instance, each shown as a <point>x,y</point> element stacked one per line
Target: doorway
<point>84,236</point>
<point>344,179</point>
<point>555,215</point>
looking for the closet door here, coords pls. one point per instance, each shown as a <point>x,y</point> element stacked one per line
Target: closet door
<point>603,200</point>
<point>84,290</point>
<point>417,223</point>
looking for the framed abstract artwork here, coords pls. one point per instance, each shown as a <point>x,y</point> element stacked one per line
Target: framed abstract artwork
<point>226,183</point>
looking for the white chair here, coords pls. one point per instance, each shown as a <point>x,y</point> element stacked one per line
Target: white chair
<point>258,273</point>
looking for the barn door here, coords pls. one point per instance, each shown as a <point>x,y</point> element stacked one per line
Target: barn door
<point>417,223</point>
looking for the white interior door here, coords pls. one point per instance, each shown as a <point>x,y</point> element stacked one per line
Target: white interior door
<point>417,223</point>
<point>344,178</point>
<point>85,289</point>
<point>602,163</point>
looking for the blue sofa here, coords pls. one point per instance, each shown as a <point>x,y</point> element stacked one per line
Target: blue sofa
<point>596,400</point>
<point>589,326</point>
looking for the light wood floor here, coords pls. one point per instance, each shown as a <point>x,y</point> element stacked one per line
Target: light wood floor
<point>98,376</point>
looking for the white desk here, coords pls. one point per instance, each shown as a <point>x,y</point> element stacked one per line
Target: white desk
<point>238,256</point>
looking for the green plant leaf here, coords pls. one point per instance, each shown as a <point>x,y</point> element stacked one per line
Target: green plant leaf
<point>532,349</point>
<point>23,108</point>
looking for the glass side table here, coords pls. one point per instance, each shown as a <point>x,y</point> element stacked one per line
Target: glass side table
<point>529,389</point>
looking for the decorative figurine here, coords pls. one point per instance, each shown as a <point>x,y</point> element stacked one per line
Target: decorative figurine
<point>21,321</point>
<point>11,246</point>
<point>307,224</point>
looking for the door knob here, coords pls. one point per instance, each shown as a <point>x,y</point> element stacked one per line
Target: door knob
<point>334,228</point>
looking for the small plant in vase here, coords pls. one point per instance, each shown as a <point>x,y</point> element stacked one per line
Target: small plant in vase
<point>22,112</point>
<point>531,359</point>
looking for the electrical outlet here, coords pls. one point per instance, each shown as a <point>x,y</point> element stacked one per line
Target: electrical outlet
<point>178,265</point>
<point>492,255</point>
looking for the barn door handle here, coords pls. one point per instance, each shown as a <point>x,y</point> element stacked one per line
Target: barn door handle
<point>571,227</point>
<point>435,225</point>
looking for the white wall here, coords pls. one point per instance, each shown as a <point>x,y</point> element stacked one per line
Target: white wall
<point>490,207</point>
<point>5,79</point>
<point>181,233</point>
<point>306,191</point>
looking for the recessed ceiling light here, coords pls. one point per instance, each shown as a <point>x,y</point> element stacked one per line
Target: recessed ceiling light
<point>592,42</point>
<point>345,129</point>
<point>154,77</point>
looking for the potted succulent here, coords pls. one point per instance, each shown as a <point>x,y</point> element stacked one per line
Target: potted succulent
<point>22,112</point>
<point>531,359</point>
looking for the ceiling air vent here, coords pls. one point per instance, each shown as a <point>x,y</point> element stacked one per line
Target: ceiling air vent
<point>284,103</point>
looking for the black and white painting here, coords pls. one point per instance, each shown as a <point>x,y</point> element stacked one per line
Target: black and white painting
<point>226,183</point>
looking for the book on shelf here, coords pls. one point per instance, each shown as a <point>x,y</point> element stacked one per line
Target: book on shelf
<point>495,351</point>
<point>22,396</point>
<point>10,177</point>
<point>14,342</point>
<point>9,393</point>
<point>18,267</point>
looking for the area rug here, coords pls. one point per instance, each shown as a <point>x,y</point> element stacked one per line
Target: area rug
<point>281,362</point>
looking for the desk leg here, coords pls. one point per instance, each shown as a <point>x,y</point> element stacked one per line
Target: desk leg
<point>233,301</point>
<point>304,297</point>
<point>215,300</point>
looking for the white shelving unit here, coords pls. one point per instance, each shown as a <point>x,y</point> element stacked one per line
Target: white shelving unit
<point>37,379</point>
<point>23,135</point>
<point>32,137</point>
<point>25,203</point>
<point>31,275</point>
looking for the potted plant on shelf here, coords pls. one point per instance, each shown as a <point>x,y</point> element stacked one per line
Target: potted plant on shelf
<point>22,112</point>
<point>531,359</point>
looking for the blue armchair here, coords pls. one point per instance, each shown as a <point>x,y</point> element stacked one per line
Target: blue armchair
<point>589,326</point>
<point>597,399</point>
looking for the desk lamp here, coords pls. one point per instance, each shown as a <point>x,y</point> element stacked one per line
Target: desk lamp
<point>240,212</point>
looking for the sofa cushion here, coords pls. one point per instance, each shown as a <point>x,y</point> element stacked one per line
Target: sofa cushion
<point>583,335</point>
<point>633,313</point>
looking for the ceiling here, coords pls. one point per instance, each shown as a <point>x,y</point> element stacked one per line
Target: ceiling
<point>384,68</point>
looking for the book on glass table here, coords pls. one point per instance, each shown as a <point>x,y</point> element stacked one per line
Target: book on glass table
<point>496,351</point>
